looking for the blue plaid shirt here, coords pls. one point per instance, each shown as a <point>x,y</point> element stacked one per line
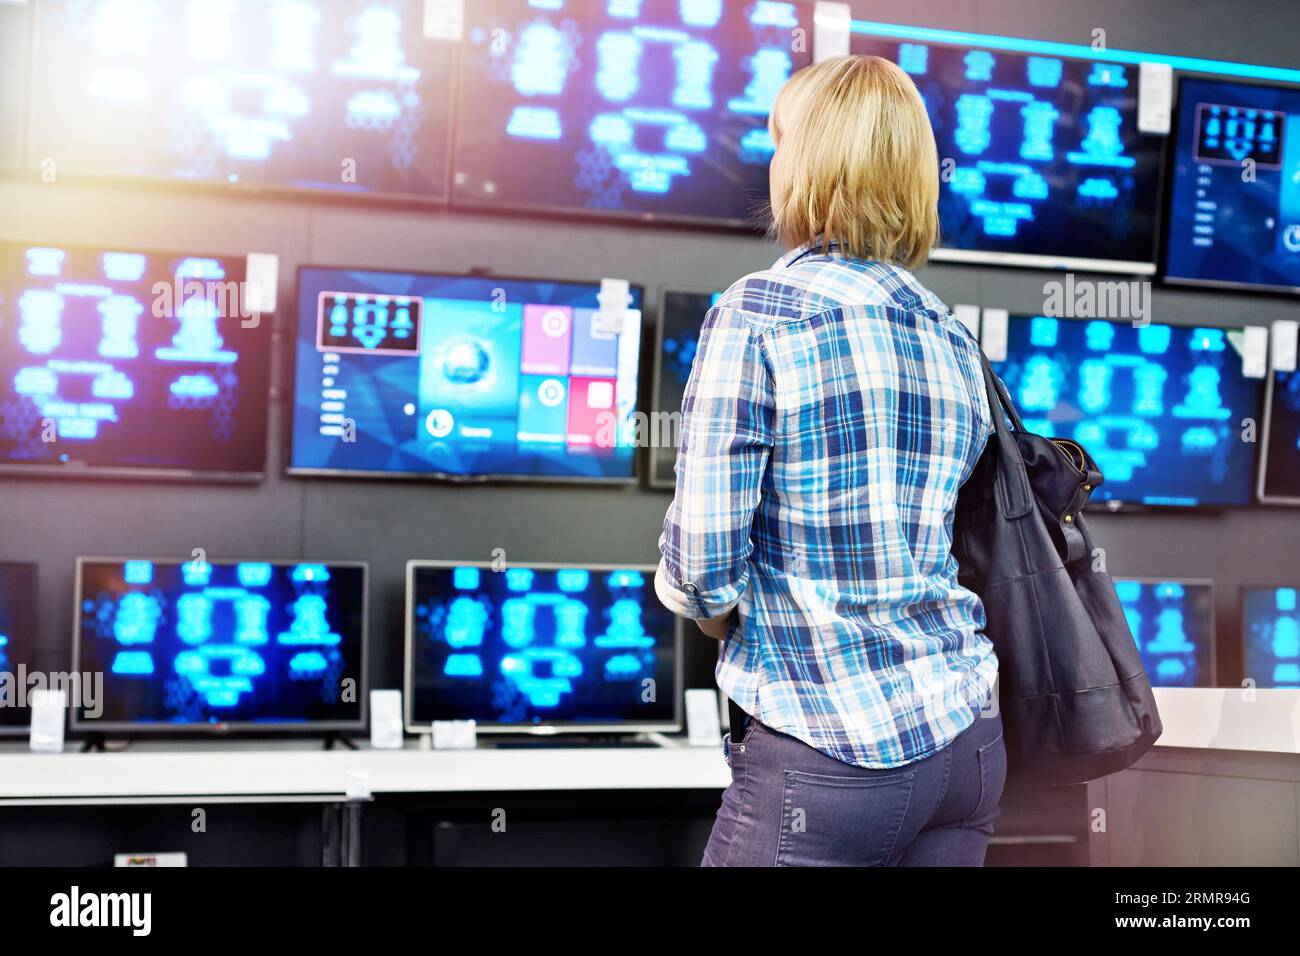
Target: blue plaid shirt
<point>833,410</point>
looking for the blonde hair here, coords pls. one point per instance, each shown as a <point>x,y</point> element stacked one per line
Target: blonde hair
<point>856,162</point>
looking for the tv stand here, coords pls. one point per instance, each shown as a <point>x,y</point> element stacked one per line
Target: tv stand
<point>579,741</point>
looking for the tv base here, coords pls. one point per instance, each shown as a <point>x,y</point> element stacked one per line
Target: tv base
<point>554,741</point>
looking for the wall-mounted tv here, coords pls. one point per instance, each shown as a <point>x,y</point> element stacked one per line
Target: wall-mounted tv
<point>347,97</point>
<point>1160,408</point>
<point>540,648</point>
<point>1279,453</point>
<point>117,362</point>
<point>1270,627</point>
<point>201,646</point>
<point>460,377</point>
<point>680,316</point>
<point>17,644</point>
<point>1041,160</point>
<point>13,82</point>
<point>1173,624</point>
<point>1234,196</point>
<point>655,109</point>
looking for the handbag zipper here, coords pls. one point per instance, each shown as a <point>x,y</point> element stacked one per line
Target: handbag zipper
<point>1068,448</point>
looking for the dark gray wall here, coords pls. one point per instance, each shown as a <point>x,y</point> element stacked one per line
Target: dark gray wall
<point>387,523</point>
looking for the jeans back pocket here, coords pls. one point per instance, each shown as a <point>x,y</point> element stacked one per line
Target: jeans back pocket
<point>842,820</point>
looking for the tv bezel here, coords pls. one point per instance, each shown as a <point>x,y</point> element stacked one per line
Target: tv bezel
<point>1116,505</point>
<point>23,730</point>
<point>1167,202</point>
<point>80,725</point>
<point>224,476</point>
<point>1026,260</point>
<point>1208,584</point>
<point>1241,622</point>
<point>224,189</point>
<point>673,725</point>
<point>1262,481</point>
<point>453,478</point>
<point>652,479</point>
<point>754,224</point>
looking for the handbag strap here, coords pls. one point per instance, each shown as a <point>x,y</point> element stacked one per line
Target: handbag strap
<point>1012,477</point>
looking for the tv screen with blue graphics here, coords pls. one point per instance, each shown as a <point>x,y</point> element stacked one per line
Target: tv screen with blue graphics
<point>681,314</point>
<point>1041,160</point>
<point>1271,631</point>
<point>17,643</point>
<point>1234,196</point>
<point>215,645</point>
<point>1173,624</point>
<point>1279,479</point>
<point>340,96</point>
<point>1160,408</point>
<point>557,646</point>
<point>655,109</point>
<point>423,375</point>
<point>116,361</point>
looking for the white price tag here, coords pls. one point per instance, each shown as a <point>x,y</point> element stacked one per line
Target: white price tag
<point>455,734</point>
<point>48,710</point>
<point>969,316</point>
<point>261,282</point>
<point>444,20</point>
<point>356,785</point>
<point>832,25</point>
<point>386,719</point>
<point>993,334</point>
<point>615,323</point>
<point>1254,352</point>
<point>1155,97</point>
<point>1286,337</point>
<point>703,718</point>
<point>615,296</point>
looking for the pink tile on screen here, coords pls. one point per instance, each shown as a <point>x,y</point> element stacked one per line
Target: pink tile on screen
<point>592,412</point>
<point>548,339</point>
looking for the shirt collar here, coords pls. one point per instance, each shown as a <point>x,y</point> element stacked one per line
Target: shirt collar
<point>832,248</point>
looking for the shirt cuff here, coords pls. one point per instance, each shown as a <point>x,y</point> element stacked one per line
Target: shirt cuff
<point>685,599</point>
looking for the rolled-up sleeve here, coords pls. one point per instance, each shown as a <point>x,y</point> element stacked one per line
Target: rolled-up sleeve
<point>726,439</point>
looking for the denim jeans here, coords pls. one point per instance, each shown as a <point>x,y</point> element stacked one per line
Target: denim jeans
<point>791,805</point>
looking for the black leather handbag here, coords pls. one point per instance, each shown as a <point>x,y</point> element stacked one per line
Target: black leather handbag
<point>1075,701</point>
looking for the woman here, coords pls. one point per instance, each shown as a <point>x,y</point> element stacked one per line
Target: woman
<point>834,409</point>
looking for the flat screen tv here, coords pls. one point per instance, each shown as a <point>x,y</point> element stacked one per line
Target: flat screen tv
<point>118,362</point>
<point>344,97</point>
<point>1160,408</point>
<point>1041,159</point>
<point>1279,463</point>
<point>680,316</point>
<point>654,109</point>
<point>1173,624</point>
<point>1234,193</point>
<point>421,375</point>
<point>540,648</point>
<point>1270,628</point>
<point>18,623</point>
<point>200,646</point>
